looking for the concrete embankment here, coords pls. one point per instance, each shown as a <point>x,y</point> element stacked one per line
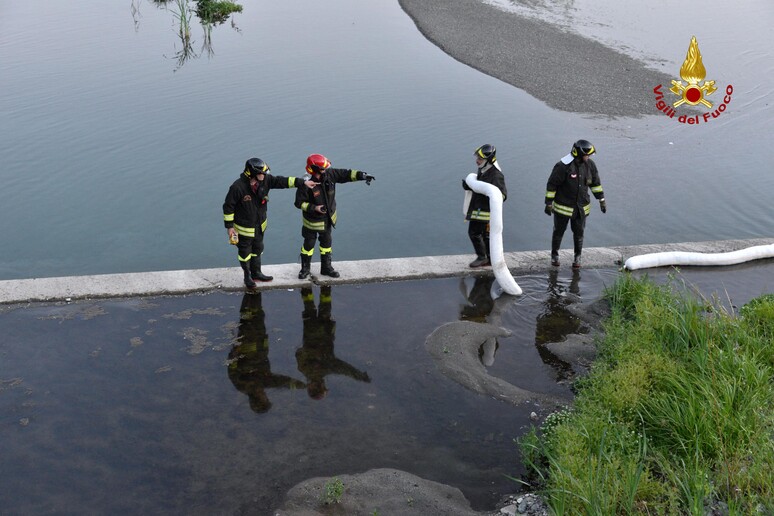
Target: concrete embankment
<point>360,271</point>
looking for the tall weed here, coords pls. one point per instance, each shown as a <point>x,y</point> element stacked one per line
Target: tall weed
<point>676,414</point>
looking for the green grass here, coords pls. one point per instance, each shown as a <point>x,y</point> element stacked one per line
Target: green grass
<point>333,490</point>
<point>216,12</point>
<point>677,415</point>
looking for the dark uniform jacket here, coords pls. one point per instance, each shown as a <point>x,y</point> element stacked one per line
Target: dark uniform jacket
<point>245,210</point>
<point>478,209</point>
<point>568,187</point>
<point>324,194</point>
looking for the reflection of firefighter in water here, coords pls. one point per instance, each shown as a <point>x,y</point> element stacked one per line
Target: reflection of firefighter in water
<point>248,367</point>
<point>315,358</point>
<point>556,322</point>
<point>480,302</point>
<point>478,309</point>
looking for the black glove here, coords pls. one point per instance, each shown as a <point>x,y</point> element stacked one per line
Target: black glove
<point>548,209</point>
<point>603,206</point>
<point>362,176</point>
<point>465,185</point>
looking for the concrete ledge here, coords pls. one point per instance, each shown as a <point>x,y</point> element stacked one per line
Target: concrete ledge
<point>361,271</point>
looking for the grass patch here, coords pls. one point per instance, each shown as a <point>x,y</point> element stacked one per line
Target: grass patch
<point>676,417</point>
<point>215,11</point>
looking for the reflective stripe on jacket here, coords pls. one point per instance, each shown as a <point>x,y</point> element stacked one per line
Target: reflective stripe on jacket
<point>324,194</point>
<point>245,210</point>
<point>568,187</point>
<point>478,209</point>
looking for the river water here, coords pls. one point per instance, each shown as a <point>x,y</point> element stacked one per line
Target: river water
<point>116,157</point>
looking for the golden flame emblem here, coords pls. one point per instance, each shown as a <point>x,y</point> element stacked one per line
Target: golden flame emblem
<point>693,72</point>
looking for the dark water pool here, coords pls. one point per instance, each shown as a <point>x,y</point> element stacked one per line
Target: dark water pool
<point>219,403</point>
<point>222,402</point>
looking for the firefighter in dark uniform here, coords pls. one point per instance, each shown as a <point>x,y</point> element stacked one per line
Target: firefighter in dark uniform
<point>248,366</point>
<point>244,214</point>
<point>478,209</point>
<point>318,209</point>
<point>315,358</point>
<point>567,197</point>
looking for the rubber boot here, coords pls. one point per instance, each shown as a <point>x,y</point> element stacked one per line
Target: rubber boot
<point>306,264</point>
<point>555,243</point>
<point>255,270</point>
<point>326,268</point>
<point>576,262</point>
<point>249,283</point>
<point>487,249</point>
<point>578,244</point>
<point>480,247</point>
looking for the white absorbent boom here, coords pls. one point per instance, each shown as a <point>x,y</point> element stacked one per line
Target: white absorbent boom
<point>502,274</point>
<point>645,261</point>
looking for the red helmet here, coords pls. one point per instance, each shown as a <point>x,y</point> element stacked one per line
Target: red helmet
<point>317,163</point>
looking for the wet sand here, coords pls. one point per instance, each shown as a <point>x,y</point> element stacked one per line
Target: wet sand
<point>564,70</point>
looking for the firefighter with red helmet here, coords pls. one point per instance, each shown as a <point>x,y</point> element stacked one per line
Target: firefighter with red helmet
<point>244,214</point>
<point>567,197</point>
<point>318,210</point>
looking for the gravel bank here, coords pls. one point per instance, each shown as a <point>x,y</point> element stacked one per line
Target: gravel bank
<point>564,70</point>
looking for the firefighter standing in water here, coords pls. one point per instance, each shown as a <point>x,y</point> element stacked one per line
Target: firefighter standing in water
<point>567,197</point>
<point>318,209</point>
<point>478,209</point>
<point>244,214</point>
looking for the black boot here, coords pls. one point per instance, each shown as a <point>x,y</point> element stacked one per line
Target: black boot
<point>480,247</point>
<point>306,264</point>
<point>255,270</point>
<point>487,249</point>
<point>578,244</point>
<point>249,283</point>
<point>556,241</point>
<point>326,268</point>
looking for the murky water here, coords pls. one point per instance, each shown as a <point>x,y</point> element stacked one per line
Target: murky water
<point>222,402</point>
<point>112,161</point>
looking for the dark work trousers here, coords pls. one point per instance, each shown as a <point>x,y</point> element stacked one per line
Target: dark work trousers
<point>310,237</point>
<point>248,247</point>
<point>577,225</point>
<point>478,231</point>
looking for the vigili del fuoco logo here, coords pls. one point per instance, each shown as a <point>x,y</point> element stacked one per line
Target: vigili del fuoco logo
<point>694,92</point>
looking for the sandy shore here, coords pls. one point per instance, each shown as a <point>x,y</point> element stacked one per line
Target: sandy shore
<point>564,70</point>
